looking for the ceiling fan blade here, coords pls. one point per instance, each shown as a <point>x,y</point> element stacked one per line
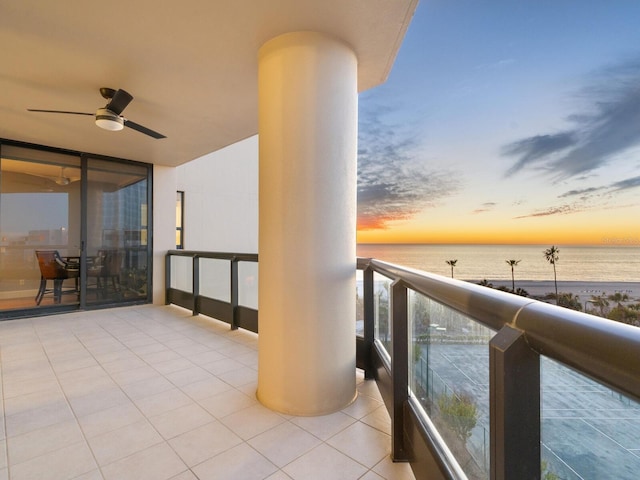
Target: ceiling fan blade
<point>59,111</point>
<point>141,129</point>
<point>119,101</point>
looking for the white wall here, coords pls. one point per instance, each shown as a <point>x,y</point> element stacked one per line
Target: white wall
<point>164,225</point>
<point>221,199</point>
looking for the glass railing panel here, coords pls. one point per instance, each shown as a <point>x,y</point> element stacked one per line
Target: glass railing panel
<point>359,303</point>
<point>215,279</point>
<point>248,284</point>
<point>182,273</point>
<point>382,310</point>
<point>449,376</point>
<point>588,431</point>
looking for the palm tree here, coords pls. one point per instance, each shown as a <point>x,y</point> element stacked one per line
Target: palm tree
<point>452,263</point>
<point>552,256</point>
<point>513,263</point>
<point>601,303</point>
<point>619,298</point>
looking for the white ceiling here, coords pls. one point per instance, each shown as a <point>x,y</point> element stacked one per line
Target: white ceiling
<point>191,66</point>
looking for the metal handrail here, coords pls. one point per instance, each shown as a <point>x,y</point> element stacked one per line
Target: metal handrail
<point>602,349</point>
<point>231,312</point>
<point>240,257</point>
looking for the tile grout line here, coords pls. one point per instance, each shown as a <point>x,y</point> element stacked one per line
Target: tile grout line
<point>129,349</point>
<point>189,333</point>
<point>133,403</point>
<point>4,416</point>
<point>4,410</point>
<point>75,417</point>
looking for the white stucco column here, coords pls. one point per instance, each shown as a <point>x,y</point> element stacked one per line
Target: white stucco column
<point>307,223</point>
<point>164,225</point>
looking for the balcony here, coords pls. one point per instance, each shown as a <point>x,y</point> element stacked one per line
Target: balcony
<point>478,383</point>
<point>156,393</point>
<point>469,383</point>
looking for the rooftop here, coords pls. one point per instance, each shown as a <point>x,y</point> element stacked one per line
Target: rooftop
<point>155,393</point>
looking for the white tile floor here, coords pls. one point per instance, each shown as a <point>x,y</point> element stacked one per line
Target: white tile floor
<point>154,393</point>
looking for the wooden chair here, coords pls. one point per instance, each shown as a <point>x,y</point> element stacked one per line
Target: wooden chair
<point>53,267</point>
<point>104,267</point>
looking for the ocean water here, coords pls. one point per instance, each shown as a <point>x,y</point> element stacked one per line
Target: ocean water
<point>477,262</point>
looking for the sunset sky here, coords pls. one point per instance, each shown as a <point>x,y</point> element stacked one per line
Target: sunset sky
<point>506,122</point>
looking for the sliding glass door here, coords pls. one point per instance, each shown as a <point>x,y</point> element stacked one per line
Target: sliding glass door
<point>39,228</point>
<point>117,232</point>
<point>74,230</point>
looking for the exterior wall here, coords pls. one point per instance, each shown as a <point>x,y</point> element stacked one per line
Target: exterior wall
<point>221,199</point>
<point>164,225</point>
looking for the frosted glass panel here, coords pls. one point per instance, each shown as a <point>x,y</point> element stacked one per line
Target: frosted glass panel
<point>248,284</point>
<point>182,273</point>
<point>215,279</point>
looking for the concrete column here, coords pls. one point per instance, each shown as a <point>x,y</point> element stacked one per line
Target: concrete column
<point>307,223</point>
<point>164,225</point>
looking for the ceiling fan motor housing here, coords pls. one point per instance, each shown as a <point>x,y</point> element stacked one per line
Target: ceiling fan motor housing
<point>108,120</point>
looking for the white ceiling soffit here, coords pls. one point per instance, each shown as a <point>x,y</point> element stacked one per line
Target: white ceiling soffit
<point>190,65</point>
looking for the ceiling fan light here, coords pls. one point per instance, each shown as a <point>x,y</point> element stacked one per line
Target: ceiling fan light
<point>108,120</point>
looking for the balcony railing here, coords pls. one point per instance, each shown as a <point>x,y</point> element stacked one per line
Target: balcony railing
<point>209,283</point>
<point>479,383</point>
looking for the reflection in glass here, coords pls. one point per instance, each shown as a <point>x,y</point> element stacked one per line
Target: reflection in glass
<point>179,217</point>
<point>382,310</point>
<point>117,232</point>
<point>588,431</point>
<point>449,375</point>
<point>39,210</point>
<point>359,303</point>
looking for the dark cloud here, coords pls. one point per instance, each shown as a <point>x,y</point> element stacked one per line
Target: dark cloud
<point>485,207</point>
<point>537,149</point>
<point>393,184</point>
<point>608,128</point>
<point>558,210</point>
<point>589,199</point>
<point>618,186</point>
<point>582,191</point>
<point>626,184</point>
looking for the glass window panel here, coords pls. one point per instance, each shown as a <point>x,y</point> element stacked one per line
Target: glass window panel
<point>182,273</point>
<point>449,375</point>
<point>248,284</point>
<point>179,225</point>
<point>588,431</point>
<point>39,211</point>
<point>381,309</point>
<point>215,276</point>
<point>117,231</point>
<point>359,303</point>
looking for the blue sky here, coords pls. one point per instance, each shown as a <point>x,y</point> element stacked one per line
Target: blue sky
<point>508,122</point>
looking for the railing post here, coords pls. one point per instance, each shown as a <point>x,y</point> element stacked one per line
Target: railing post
<point>514,406</point>
<point>399,368</point>
<point>167,278</point>
<point>369,321</point>
<point>234,293</point>
<point>196,284</point>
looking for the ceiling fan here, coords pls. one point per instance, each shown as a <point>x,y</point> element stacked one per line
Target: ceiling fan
<point>109,117</point>
<point>63,178</point>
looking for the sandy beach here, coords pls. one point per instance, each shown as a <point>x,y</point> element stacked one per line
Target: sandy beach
<point>584,290</point>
